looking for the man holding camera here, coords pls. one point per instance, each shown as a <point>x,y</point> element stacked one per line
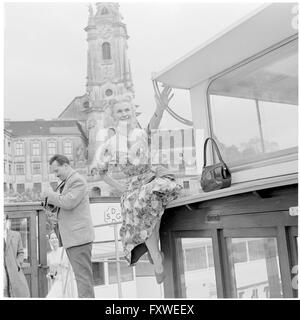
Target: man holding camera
<point>74,221</point>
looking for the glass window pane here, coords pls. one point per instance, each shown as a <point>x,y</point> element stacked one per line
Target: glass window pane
<point>126,272</point>
<point>240,251</point>
<point>36,168</point>
<point>51,147</point>
<point>106,50</point>
<point>98,273</point>
<point>20,188</point>
<point>22,226</point>
<point>198,264</point>
<point>210,256</point>
<point>260,100</point>
<point>195,258</point>
<point>37,187</point>
<point>144,268</point>
<point>257,276</point>
<point>20,169</point>
<point>19,148</point>
<point>67,147</point>
<point>272,119</point>
<point>36,148</point>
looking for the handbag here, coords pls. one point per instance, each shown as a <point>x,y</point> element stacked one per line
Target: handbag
<point>216,176</point>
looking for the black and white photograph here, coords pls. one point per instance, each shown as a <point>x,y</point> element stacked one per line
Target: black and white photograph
<point>150,152</point>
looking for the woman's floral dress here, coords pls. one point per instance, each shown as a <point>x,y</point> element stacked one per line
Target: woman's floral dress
<point>143,204</point>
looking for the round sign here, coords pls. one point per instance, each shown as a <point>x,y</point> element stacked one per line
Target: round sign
<point>112,214</point>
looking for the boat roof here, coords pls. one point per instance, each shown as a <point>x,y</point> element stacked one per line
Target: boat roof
<point>261,29</point>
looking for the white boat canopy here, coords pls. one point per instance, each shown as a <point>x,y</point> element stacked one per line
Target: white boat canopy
<point>263,28</point>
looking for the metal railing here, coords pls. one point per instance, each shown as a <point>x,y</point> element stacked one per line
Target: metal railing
<point>117,259</point>
<point>25,208</point>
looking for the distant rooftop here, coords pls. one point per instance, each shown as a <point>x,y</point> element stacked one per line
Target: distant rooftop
<point>41,127</point>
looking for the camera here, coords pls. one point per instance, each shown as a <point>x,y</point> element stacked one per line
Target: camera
<point>47,206</point>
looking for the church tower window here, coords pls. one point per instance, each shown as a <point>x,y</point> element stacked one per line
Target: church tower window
<point>106,51</point>
<point>104,11</point>
<point>86,104</point>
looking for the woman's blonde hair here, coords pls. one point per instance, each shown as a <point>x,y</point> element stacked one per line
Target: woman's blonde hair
<point>117,100</point>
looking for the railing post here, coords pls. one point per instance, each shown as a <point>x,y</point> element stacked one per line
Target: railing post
<point>117,261</point>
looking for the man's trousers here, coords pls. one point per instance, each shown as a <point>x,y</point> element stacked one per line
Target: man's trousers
<point>81,261</point>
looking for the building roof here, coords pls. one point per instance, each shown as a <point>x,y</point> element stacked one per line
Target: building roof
<point>75,109</point>
<point>7,133</point>
<point>258,31</point>
<point>44,128</point>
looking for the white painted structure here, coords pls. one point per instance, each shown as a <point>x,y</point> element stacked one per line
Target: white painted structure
<point>104,215</point>
<point>267,39</point>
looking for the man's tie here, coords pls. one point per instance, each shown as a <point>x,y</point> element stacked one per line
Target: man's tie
<point>61,186</point>
<point>60,189</point>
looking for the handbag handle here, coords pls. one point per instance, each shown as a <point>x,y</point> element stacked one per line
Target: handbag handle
<point>214,144</point>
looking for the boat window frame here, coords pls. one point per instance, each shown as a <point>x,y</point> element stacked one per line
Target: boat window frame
<point>259,162</point>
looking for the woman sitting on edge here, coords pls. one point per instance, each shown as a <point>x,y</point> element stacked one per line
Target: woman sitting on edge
<point>150,187</point>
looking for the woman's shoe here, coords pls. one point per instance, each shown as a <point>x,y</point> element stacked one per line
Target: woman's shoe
<point>160,277</point>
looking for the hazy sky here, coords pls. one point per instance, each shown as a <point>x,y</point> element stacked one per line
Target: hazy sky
<point>46,50</point>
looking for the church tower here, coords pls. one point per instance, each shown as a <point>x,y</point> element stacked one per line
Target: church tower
<point>108,69</point>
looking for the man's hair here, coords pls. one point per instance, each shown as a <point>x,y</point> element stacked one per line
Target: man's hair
<point>60,159</point>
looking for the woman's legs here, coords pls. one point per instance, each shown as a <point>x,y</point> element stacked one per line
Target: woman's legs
<point>152,244</point>
<point>156,231</point>
<point>153,248</point>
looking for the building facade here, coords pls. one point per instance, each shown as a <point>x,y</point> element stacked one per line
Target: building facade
<point>75,133</point>
<point>29,145</point>
<point>8,162</point>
